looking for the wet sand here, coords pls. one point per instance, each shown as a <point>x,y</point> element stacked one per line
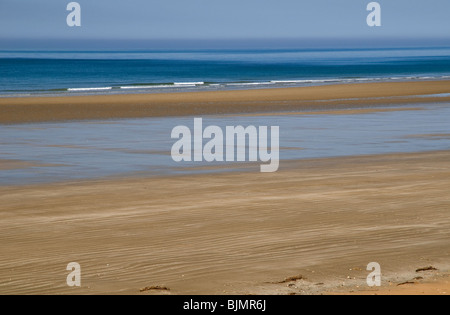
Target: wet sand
<point>18,164</point>
<point>320,221</point>
<point>329,97</point>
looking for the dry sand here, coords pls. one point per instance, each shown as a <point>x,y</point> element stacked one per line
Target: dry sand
<point>44,109</point>
<point>438,285</point>
<point>321,221</point>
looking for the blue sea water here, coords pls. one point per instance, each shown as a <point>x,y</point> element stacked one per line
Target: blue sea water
<point>65,72</point>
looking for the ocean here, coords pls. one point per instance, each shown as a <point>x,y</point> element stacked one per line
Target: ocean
<point>24,73</point>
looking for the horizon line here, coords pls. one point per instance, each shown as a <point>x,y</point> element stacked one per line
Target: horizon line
<point>46,44</point>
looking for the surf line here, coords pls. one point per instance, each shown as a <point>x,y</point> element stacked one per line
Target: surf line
<point>230,145</point>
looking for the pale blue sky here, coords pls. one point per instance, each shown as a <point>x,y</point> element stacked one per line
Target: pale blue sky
<point>225,19</point>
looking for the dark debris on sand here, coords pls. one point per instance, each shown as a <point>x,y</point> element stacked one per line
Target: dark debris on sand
<point>430,268</point>
<point>154,288</point>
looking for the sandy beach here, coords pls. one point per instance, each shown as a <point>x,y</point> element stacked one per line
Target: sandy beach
<point>233,149</point>
<point>328,97</point>
<point>311,228</point>
<point>437,285</point>
<point>317,221</point>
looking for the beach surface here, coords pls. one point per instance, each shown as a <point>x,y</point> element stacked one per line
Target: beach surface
<point>437,285</point>
<point>311,228</point>
<point>327,97</point>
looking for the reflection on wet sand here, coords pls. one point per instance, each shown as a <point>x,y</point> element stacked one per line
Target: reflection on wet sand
<point>91,149</point>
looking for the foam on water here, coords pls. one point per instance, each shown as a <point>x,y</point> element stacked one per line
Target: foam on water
<point>89,89</point>
<point>55,73</point>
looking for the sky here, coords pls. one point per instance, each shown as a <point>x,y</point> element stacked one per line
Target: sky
<point>43,21</point>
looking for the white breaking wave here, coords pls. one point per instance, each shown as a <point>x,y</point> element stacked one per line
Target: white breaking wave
<point>350,80</point>
<point>137,87</point>
<point>188,83</point>
<point>298,81</point>
<point>89,89</point>
<point>249,84</point>
<point>256,84</point>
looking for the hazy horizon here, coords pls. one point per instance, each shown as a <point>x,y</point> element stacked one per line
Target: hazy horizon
<point>199,44</point>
